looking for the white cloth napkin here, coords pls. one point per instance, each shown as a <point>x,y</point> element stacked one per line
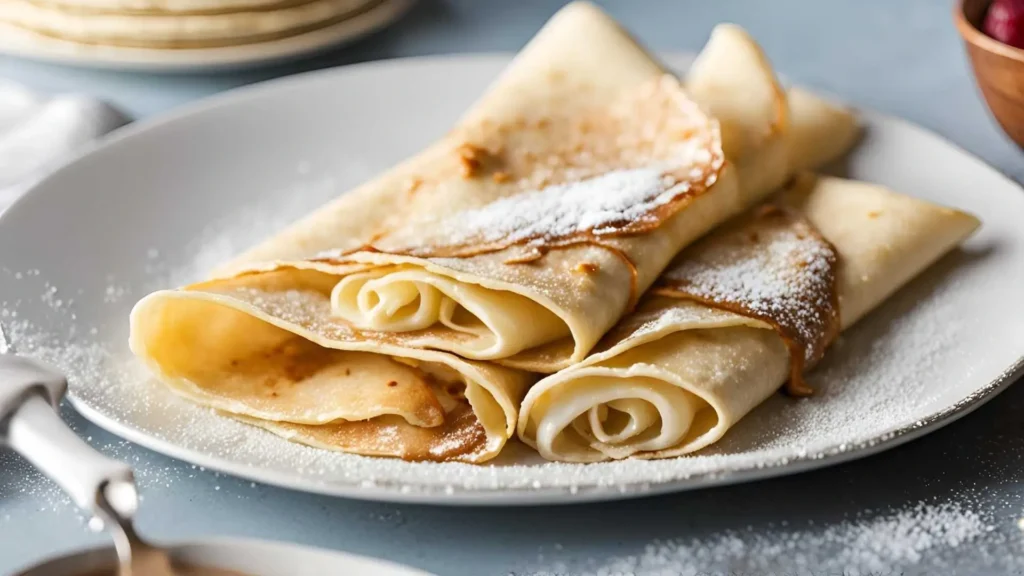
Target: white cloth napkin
<point>37,132</point>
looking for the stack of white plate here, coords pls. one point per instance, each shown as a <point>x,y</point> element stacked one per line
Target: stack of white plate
<point>173,34</point>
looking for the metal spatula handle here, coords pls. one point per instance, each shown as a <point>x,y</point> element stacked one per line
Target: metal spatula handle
<point>29,424</point>
<point>30,392</point>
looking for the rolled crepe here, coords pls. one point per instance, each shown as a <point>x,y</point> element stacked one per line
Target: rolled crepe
<point>733,317</point>
<point>521,236</point>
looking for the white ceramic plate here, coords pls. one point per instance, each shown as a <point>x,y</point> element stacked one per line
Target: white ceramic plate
<point>163,201</point>
<point>18,42</point>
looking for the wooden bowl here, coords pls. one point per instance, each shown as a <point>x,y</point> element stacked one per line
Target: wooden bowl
<point>998,68</point>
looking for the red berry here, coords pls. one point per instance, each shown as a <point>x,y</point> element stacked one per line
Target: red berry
<point>1005,22</point>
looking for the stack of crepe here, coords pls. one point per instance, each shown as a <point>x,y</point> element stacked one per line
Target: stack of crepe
<point>413,317</point>
<point>171,24</point>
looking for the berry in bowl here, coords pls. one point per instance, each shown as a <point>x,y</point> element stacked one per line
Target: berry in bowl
<point>993,32</point>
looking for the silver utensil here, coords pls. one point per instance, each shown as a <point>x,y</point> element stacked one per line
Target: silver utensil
<point>30,394</point>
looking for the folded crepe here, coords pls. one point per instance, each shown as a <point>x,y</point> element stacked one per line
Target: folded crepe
<point>522,236</point>
<point>265,362</point>
<point>734,316</point>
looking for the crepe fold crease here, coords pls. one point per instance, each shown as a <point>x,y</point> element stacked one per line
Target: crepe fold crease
<point>520,238</point>
<point>675,375</point>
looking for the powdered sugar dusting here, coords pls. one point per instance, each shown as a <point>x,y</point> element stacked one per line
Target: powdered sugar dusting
<point>775,267</point>
<point>29,482</point>
<point>596,204</point>
<point>860,546</point>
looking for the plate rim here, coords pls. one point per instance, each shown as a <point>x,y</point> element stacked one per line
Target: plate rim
<point>404,492</point>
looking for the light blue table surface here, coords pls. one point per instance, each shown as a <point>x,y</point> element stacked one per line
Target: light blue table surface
<point>902,57</point>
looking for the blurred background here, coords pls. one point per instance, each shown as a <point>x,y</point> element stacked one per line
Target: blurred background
<point>901,56</point>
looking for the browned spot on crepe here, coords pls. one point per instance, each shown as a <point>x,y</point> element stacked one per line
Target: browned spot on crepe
<point>286,375</point>
<point>471,159</point>
<point>413,185</point>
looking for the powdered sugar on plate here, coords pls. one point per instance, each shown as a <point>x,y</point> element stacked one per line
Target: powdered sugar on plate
<point>227,237</point>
